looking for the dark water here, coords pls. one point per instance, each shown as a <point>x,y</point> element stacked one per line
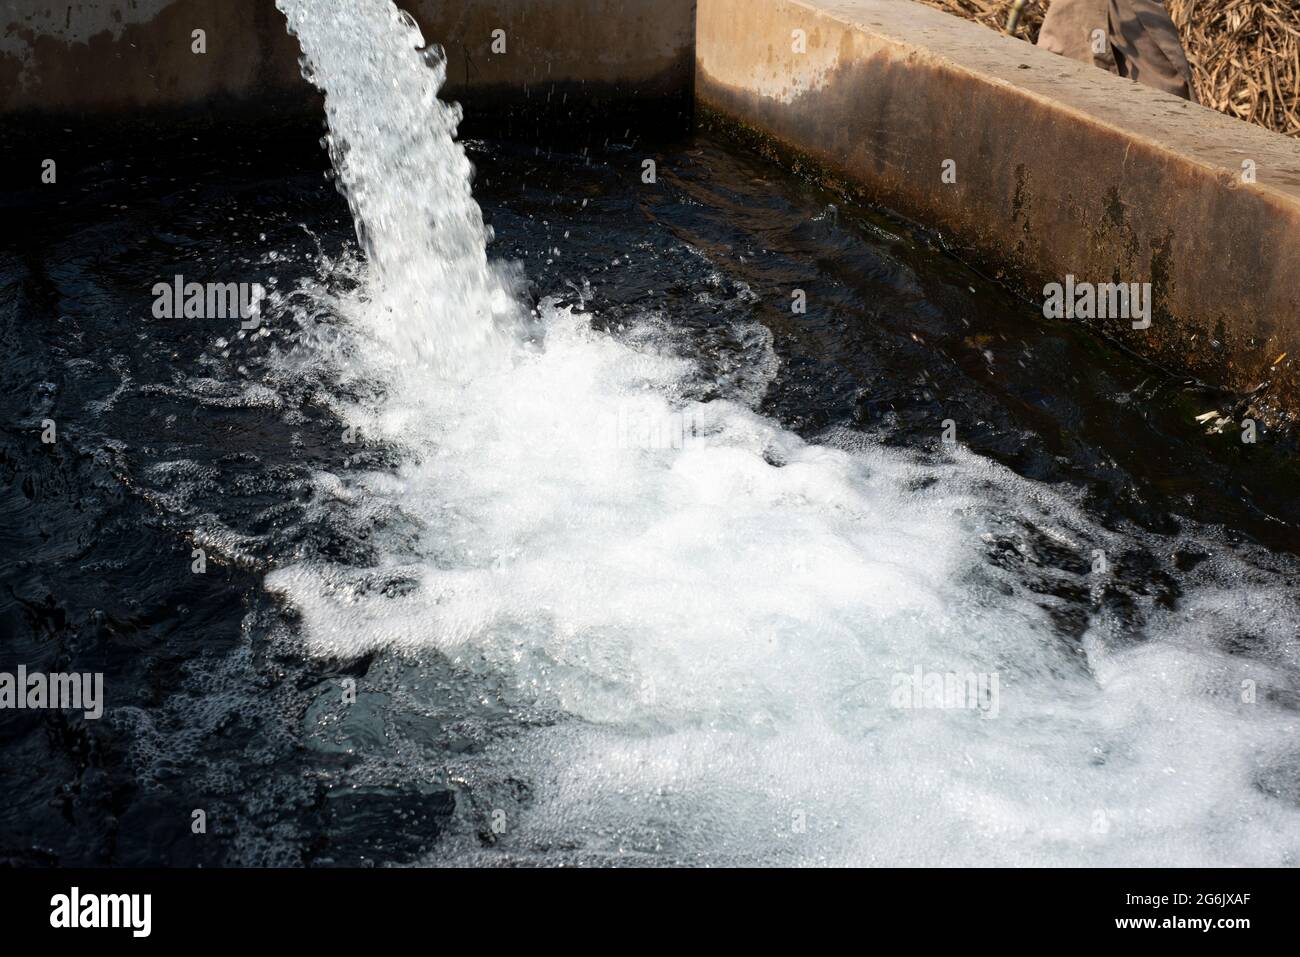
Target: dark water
<point>162,447</point>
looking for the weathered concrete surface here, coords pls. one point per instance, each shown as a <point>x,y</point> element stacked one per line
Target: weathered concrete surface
<point>642,49</point>
<point>1060,168</point>
<point>97,56</point>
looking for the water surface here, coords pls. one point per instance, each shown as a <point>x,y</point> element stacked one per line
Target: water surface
<point>628,575</point>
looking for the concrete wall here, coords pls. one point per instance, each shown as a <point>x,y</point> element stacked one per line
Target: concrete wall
<point>100,56</point>
<point>1061,168</point>
<point>639,49</point>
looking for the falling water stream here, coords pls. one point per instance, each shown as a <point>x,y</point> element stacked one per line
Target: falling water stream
<point>716,634</point>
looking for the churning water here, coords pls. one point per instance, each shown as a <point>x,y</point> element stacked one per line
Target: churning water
<point>627,561</point>
<point>717,635</point>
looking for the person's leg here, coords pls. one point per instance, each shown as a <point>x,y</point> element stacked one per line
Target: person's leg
<point>1152,51</point>
<point>1131,38</point>
<point>1080,30</point>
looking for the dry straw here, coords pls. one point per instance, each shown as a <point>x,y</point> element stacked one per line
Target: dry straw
<point>1245,54</point>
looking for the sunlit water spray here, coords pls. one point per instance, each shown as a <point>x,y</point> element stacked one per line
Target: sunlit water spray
<point>433,295</point>
<point>761,649</point>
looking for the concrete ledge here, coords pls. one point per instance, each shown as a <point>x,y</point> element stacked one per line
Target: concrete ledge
<point>1061,169</point>
<point>101,56</point>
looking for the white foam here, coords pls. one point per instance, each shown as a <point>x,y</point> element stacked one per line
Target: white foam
<point>720,616</point>
<point>723,634</point>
